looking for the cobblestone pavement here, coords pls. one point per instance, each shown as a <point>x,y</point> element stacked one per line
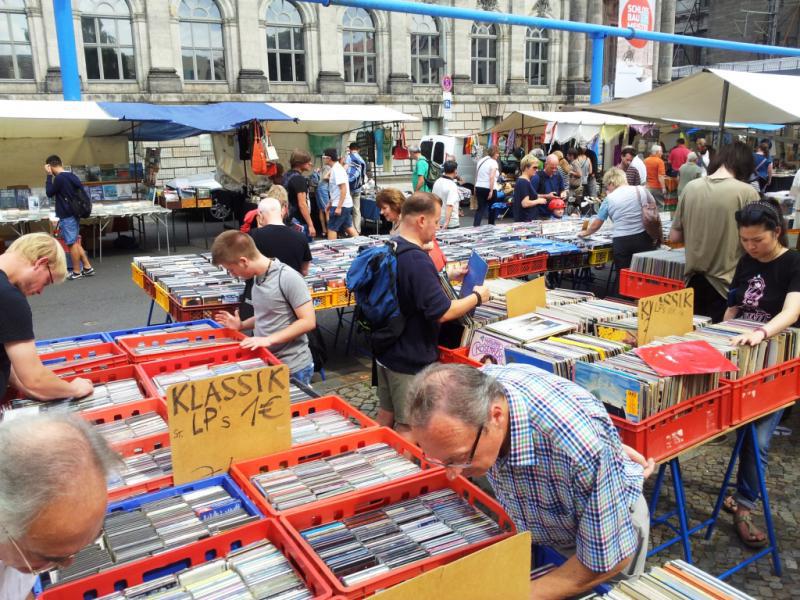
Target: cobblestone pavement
<point>702,473</point>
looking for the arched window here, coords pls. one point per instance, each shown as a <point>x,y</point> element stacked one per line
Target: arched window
<point>536,44</point>
<point>359,46</point>
<point>16,59</point>
<point>484,54</point>
<point>201,41</point>
<point>425,55</point>
<point>107,39</point>
<point>285,48</point>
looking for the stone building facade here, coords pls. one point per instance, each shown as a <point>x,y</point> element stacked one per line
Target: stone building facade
<point>194,51</point>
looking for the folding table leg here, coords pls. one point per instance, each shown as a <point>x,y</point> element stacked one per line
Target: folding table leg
<point>762,483</point>
<point>724,489</point>
<point>680,500</point>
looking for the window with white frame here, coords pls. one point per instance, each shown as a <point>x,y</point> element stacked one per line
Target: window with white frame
<point>484,54</point>
<point>16,57</point>
<point>425,54</point>
<point>286,54</point>
<point>202,48</point>
<point>536,45</point>
<point>358,35</point>
<point>107,39</point>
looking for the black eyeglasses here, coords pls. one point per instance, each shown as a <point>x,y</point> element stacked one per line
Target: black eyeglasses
<point>465,465</point>
<point>50,273</point>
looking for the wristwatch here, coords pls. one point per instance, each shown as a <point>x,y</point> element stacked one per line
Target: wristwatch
<point>478,296</point>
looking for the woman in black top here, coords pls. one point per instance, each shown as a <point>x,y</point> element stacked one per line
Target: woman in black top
<point>765,289</point>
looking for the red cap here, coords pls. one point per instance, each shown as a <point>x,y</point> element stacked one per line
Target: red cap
<point>556,204</point>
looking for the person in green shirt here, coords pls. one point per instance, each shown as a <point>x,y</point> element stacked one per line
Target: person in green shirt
<point>420,172</point>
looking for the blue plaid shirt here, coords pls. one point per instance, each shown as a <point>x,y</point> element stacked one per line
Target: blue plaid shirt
<point>565,478</point>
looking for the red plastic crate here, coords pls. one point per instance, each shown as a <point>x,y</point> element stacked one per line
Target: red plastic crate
<point>673,430</point>
<point>763,392</point>
<point>641,285</point>
<point>300,409</point>
<point>524,266</point>
<point>458,356</point>
<point>200,552</point>
<point>151,485</point>
<point>57,361</point>
<point>341,508</point>
<point>123,411</point>
<point>192,313</point>
<point>221,356</point>
<point>244,470</point>
<point>227,337</point>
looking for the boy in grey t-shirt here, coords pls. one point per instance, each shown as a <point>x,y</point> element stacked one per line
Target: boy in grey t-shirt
<point>282,303</point>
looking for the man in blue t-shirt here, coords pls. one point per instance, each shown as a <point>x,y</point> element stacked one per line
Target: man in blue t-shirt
<point>62,185</point>
<point>424,304</point>
<point>548,184</point>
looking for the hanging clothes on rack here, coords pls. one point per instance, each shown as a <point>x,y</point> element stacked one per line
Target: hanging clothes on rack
<point>378,143</point>
<point>388,146</point>
<point>511,141</point>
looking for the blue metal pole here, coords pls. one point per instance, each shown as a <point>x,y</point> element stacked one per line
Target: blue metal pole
<point>485,16</point>
<point>596,87</point>
<point>67,55</point>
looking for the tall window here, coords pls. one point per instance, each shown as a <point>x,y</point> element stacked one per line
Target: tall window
<point>285,49</point>
<point>107,39</point>
<point>201,41</point>
<point>425,54</point>
<point>536,42</point>
<point>484,54</point>
<point>359,46</point>
<point>16,59</point>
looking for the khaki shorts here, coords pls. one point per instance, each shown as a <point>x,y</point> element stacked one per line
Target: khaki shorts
<point>392,391</point>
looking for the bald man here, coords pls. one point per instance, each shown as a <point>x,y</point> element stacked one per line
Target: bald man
<point>548,184</point>
<point>53,495</point>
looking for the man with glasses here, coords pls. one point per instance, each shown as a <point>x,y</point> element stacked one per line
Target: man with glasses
<point>553,458</point>
<point>53,495</point>
<point>31,263</point>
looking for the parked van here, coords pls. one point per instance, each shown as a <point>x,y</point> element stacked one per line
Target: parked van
<point>437,147</point>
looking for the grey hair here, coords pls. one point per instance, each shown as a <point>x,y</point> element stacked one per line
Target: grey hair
<point>655,149</point>
<point>459,391</point>
<point>691,157</point>
<point>43,457</point>
<point>269,205</point>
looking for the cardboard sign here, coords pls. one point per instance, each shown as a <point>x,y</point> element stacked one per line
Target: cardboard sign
<point>665,314</point>
<point>214,422</point>
<point>500,571</point>
<point>555,227</point>
<point>526,298</point>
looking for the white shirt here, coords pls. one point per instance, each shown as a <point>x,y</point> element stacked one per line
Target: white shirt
<point>640,166</point>
<point>338,177</point>
<point>15,585</point>
<point>485,166</point>
<point>447,189</point>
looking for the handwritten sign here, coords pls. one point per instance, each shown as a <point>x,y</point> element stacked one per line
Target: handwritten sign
<point>214,422</point>
<point>555,227</point>
<point>526,298</point>
<point>500,571</point>
<point>665,314</point>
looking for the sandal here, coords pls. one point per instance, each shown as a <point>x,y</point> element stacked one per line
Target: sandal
<point>730,505</point>
<point>750,541</point>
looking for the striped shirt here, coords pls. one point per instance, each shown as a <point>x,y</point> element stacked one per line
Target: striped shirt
<point>565,478</point>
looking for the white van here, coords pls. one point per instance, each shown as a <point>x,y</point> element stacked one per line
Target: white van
<point>437,147</point>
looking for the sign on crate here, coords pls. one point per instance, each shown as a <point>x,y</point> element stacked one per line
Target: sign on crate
<point>526,298</point>
<point>665,314</point>
<point>214,422</point>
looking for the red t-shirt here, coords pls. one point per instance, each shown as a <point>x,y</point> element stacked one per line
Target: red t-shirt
<point>678,156</point>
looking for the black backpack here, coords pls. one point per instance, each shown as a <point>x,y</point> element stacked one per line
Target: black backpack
<point>80,203</point>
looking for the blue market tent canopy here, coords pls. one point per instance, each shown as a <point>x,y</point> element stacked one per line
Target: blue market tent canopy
<point>159,122</point>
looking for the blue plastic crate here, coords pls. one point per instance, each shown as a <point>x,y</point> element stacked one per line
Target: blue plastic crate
<point>98,337</point>
<point>113,335</point>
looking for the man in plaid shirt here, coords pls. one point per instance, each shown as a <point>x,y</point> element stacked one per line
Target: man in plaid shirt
<point>553,458</point>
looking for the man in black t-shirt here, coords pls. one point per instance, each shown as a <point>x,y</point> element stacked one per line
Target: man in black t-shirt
<point>275,240</point>
<point>31,263</point>
<point>424,304</point>
<point>296,186</point>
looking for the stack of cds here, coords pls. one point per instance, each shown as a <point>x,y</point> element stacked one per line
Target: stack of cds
<point>176,328</point>
<point>145,348</point>
<point>155,527</point>
<point>258,570</point>
<point>104,395</point>
<point>370,544</point>
<point>663,263</point>
<point>137,426</point>
<point>73,366</point>
<point>165,380</point>
<point>320,425</point>
<point>327,477</point>
<point>299,392</point>
<point>143,467</point>
<point>48,347</point>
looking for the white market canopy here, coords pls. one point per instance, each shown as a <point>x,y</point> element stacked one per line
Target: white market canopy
<point>752,98</point>
<point>333,118</point>
<point>563,126</point>
<point>56,119</point>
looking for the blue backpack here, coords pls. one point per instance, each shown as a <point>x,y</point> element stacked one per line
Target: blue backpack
<point>372,277</point>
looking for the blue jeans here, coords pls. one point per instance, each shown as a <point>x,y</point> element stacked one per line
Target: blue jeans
<point>747,488</point>
<point>304,375</point>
